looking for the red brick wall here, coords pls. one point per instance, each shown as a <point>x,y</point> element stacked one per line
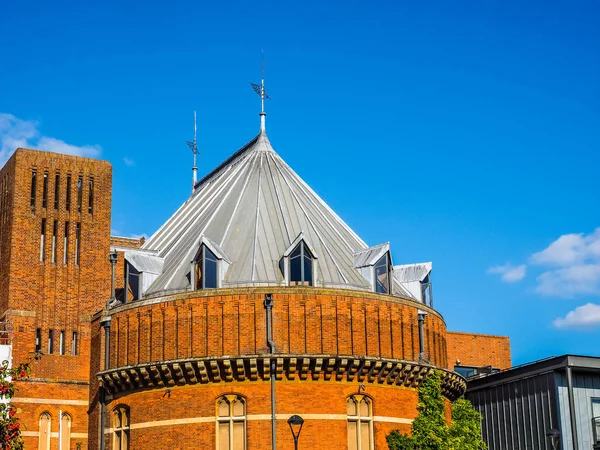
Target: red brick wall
<point>478,350</point>
<point>316,321</point>
<point>304,398</point>
<point>55,295</point>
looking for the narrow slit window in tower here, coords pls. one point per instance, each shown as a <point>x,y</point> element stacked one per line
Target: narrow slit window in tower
<point>77,242</point>
<point>45,191</point>
<point>68,194</point>
<point>56,190</point>
<point>33,188</point>
<point>79,192</point>
<point>42,240</point>
<point>91,197</point>
<point>54,233</point>
<point>66,244</point>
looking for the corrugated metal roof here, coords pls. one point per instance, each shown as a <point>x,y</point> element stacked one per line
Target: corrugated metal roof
<point>371,255</point>
<point>253,207</point>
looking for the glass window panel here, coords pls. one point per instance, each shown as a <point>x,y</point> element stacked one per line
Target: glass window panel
<point>381,275</point>
<point>125,440</point>
<point>295,271</point>
<point>210,274</point>
<point>364,408</point>
<point>238,435</point>
<point>224,436</point>
<point>209,255</point>
<point>125,416</point>
<point>307,271</point>
<point>117,419</point>
<point>238,408</point>
<point>352,436</point>
<point>223,409</point>
<point>365,436</point>
<point>117,441</point>
<point>296,252</point>
<point>596,407</point>
<point>351,407</point>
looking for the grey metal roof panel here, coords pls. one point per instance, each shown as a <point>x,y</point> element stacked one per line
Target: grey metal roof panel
<point>144,262</point>
<point>253,206</point>
<point>412,272</point>
<point>369,256</point>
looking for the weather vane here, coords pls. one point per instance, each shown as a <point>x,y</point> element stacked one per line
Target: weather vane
<point>260,90</point>
<point>194,148</point>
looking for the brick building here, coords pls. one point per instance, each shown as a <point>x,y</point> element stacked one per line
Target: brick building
<point>254,289</point>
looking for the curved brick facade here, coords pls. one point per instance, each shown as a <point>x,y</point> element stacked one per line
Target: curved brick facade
<point>204,344</point>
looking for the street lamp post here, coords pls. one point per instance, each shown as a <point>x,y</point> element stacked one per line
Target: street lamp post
<point>554,436</point>
<point>295,422</point>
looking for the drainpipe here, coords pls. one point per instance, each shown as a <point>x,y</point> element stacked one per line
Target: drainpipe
<point>572,407</point>
<point>269,307</point>
<point>105,322</point>
<point>421,318</point>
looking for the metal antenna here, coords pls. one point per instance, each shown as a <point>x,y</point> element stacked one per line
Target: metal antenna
<point>194,148</point>
<point>260,90</point>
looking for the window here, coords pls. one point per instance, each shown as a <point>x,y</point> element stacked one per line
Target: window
<point>38,340</point>
<point>54,233</point>
<point>301,266</point>
<point>45,191</point>
<point>382,275</point>
<point>65,431</point>
<point>66,244</point>
<point>77,242</point>
<point>33,187</point>
<point>74,349</point>
<point>50,341</point>
<point>68,199</point>
<point>91,197</point>
<point>42,239</point>
<point>45,423</point>
<point>121,428</point>
<point>596,419</point>
<point>360,423</point>
<point>133,282</point>
<point>206,269</point>
<point>231,423</point>
<point>61,343</point>
<point>79,192</point>
<point>56,190</point>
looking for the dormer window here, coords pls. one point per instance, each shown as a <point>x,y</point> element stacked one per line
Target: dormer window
<point>207,269</point>
<point>382,275</point>
<point>301,265</point>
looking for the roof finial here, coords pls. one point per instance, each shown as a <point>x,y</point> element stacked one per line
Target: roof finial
<point>260,90</point>
<point>194,148</point>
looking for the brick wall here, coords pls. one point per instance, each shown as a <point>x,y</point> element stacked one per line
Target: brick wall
<point>47,292</point>
<point>478,350</point>
<point>330,322</point>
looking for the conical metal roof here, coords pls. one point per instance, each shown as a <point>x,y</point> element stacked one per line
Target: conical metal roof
<point>252,207</point>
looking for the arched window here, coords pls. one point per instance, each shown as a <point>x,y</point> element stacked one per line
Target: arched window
<point>382,275</point>
<point>45,424</point>
<point>231,423</point>
<point>360,423</point>
<point>206,269</point>
<point>121,428</point>
<point>65,431</point>
<point>301,273</point>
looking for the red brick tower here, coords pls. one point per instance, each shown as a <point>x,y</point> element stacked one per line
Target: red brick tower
<point>54,274</point>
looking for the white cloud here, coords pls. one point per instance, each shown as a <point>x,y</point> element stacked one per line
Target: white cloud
<point>128,161</point>
<point>586,316</point>
<point>578,258</point>
<point>570,249</point>
<point>570,281</point>
<point>15,132</point>
<point>509,273</point>
<point>139,236</point>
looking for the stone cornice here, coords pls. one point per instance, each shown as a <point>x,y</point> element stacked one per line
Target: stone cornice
<point>332,368</point>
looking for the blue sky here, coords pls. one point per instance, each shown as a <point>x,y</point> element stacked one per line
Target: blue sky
<point>465,133</point>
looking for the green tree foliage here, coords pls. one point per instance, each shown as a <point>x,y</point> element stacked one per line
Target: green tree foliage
<point>465,431</point>
<point>10,427</point>
<point>429,429</point>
